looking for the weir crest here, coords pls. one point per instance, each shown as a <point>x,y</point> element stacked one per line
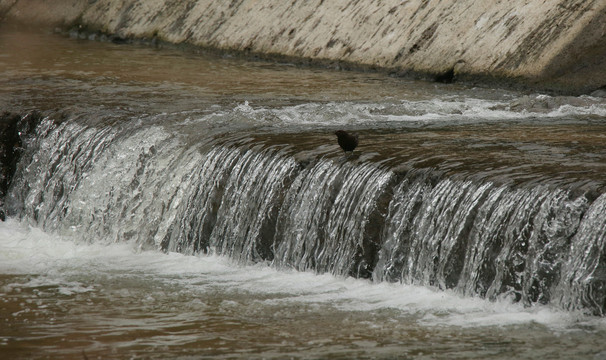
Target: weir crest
<point>254,201</point>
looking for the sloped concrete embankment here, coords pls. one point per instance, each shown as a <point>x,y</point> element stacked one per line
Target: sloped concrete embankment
<point>558,45</point>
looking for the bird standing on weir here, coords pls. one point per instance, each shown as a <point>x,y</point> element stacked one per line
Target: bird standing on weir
<point>348,142</point>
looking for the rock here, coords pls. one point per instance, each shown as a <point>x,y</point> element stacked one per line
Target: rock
<point>13,129</point>
<point>599,93</point>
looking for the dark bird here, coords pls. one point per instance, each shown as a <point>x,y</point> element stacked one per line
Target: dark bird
<point>347,142</point>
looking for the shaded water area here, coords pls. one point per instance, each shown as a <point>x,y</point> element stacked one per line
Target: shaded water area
<point>174,204</point>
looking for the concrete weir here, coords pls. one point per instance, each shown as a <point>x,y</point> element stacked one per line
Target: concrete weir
<point>555,45</point>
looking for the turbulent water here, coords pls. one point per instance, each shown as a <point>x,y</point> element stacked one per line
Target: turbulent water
<point>171,204</point>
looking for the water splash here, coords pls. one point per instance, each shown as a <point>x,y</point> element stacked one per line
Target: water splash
<point>443,109</point>
<point>326,220</point>
<point>253,201</point>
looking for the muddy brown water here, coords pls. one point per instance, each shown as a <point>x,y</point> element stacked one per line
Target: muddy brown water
<point>62,296</point>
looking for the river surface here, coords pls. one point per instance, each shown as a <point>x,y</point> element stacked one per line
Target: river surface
<point>90,266</point>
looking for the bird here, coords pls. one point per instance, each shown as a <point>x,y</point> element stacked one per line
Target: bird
<point>348,142</point>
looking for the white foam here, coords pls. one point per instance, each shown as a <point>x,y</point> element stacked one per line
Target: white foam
<point>453,109</point>
<point>28,250</point>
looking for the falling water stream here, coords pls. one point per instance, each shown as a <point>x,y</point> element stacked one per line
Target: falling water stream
<point>169,203</point>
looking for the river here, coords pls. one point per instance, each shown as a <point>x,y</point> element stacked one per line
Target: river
<point>178,203</point>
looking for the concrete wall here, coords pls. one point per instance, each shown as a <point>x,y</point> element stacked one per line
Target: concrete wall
<point>558,44</point>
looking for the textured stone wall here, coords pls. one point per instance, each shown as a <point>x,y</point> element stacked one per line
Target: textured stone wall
<point>558,44</point>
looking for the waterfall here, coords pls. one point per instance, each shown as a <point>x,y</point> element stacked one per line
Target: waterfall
<point>486,240</point>
<point>535,242</point>
<point>324,223</point>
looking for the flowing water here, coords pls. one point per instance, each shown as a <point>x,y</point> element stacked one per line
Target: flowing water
<point>176,204</point>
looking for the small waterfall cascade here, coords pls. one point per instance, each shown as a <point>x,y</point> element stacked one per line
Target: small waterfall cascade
<point>328,219</point>
<point>256,202</point>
